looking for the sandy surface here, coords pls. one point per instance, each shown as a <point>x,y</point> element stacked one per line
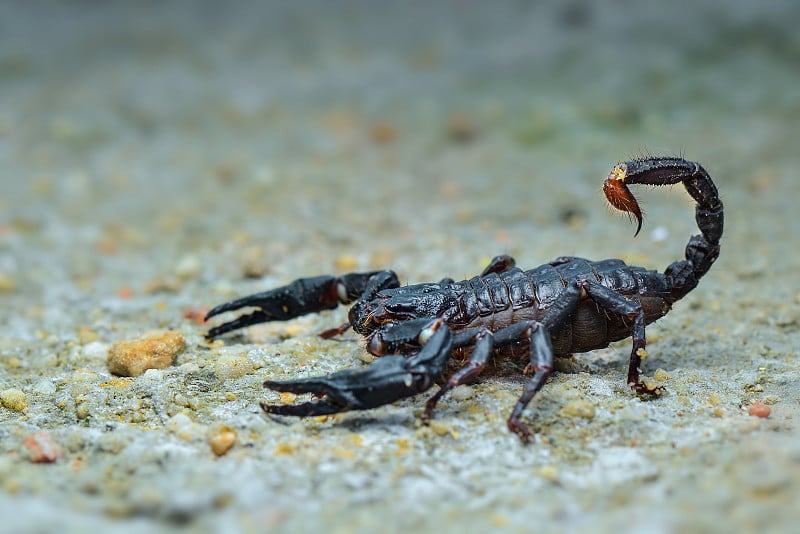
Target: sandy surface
<point>155,161</point>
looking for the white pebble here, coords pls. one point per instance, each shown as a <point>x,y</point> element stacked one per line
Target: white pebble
<point>658,234</point>
<point>189,266</point>
<point>96,350</point>
<point>44,387</point>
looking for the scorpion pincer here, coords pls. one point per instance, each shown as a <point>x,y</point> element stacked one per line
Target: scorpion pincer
<point>567,306</point>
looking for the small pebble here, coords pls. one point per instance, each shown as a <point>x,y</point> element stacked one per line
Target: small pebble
<point>579,408</point>
<point>41,448</point>
<point>182,426</point>
<point>549,473</point>
<point>189,367</point>
<point>658,234</point>
<point>438,427</point>
<point>188,267</point>
<point>346,262</point>
<point>222,440</point>
<point>770,399</point>
<point>461,128</point>
<point>82,411</point>
<point>231,367</point>
<point>254,262</point>
<point>13,399</point>
<point>86,335</point>
<point>162,284</point>
<point>154,350</point>
<point>759,409</point>
<point>382,133</point>
<point>96,350</point>
<point>462,393</point>
<point>44,386</point>
<point>7,284</point>
<point>661,375</point>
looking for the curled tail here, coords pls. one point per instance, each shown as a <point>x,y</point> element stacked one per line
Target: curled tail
<point>702,250</point>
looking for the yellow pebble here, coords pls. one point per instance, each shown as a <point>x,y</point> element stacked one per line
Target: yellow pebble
<point>440,428</point>
<point>154,350</point>
<point>661,375</point>
<point>579,408</point>
<point>346,262</point>
<point>231,367</point>
<point>222,441</point>
<point>86,335</point>
<point>82,411</point>
<point>549,473</point>
<point>13,399</point>
<point>7,284</point>
<point>284,448</point>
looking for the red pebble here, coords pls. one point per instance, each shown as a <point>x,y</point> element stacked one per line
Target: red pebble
<point>42,448</point>
<point>197,315</point>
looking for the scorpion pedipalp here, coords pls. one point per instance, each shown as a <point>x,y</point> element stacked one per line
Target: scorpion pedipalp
<point>385,380</point>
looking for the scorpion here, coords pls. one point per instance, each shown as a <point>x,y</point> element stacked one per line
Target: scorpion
<point>569,305</point>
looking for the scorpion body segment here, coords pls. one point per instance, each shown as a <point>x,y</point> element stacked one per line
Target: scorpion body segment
<point>569,305</point>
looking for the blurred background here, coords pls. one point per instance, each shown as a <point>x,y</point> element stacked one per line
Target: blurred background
<point>160,157</point>
<point>184,118</point>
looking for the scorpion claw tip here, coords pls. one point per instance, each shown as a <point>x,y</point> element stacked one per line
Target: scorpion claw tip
<point>638,225</point>
<point>621,198</point>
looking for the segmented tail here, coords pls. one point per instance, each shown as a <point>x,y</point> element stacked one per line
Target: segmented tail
<point>702,250</point>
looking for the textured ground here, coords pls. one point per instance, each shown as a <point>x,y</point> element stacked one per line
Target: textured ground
<point>155,161</point>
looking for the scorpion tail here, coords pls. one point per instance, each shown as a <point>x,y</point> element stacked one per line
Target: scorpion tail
<point>702,250</point>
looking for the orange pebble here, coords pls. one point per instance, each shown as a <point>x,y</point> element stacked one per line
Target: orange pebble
<point>759,409</point>
<point>197,315</point>
<point>382,133</point>
<point>125,293</point>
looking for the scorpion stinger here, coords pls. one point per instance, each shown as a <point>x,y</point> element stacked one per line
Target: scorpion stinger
<point>570,305</point>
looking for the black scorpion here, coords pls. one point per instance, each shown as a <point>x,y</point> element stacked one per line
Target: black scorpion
<point>569,305</point>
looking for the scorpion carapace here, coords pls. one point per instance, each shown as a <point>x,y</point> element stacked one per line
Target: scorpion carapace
<point>567,306</point>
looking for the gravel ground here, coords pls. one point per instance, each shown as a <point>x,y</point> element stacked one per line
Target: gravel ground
<point>159,158</point>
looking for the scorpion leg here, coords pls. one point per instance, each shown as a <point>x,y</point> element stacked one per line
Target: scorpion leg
<point>385,380</point>
<point>541,356</point>
<point>616,303</point>
<point>612,302</point>
<point>483,341</point>
<point>542,350</point>
<point>542,364</point>
<point>304,295</point>
<point>499,264</point>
